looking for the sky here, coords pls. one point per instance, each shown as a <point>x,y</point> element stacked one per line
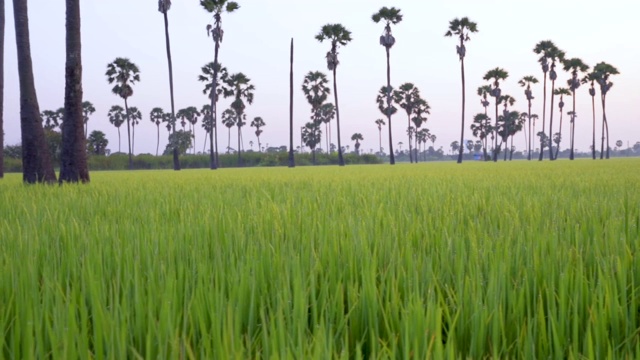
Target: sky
<point>257,39</point>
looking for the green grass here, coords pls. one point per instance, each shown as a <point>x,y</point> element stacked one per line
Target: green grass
<point>506,260</point>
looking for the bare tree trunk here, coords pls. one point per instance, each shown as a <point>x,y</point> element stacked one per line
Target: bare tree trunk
<point>292,161</point>
<point>1,88</point>
<point>553,86</point>
<point>36,159</point>
<point>335,93</point>
<point>176,157</point>
<point>73,159</point>
<point>126,109</point>
<point>158,142</point>
<point>593,142</point>
<point>559,132</point>
<point>496,149</point>
<point>544,116</point>
<point>605,122</point>
<point>409,136</point>
<point>463,105</point>
<point>573,126</point>
<point>392,159</point>
<point>213,157</point>
<point>530,134</point>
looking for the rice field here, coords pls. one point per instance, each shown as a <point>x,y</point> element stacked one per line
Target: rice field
<point>480,260</point>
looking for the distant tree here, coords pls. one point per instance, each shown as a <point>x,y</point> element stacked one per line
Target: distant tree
<point>135,116</point>
<point>124,74</point>
<point>316,92</point>
<point>455,146</point>
<point>387,109</point>
<point>482,129</point>
<point>211,72</point>
<point>603,72</point>
<point>181,140</point>
<point>338,35</point>
<point>408,98</point>
<point>258,123</point>
<point>357,137</point>
<point>117,117</point>
<point>207,123</point>
<point>163,7</point>
<point>461,28</point>
<point>387,40</point>
<point>238,86</point>
<point>52,119</point>
<point>229,120</point>
<point>562,92</point>
<point>311,137</point>
<point>380,123</point>
<point>469,145</point>
<point>496,75</point>
<point>484,91</point>
<point>97,143</point>
<point>526,82</point>
<point>87,110</point>
<point>575,66</point>
<point>157,116</point>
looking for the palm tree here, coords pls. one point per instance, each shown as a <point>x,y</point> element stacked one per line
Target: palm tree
<point>87,110</point>
<point>390,16</point>
<point>206,122</point>
<point>292,160</point>
<point>549,52</point>
<point>2,88</point>
<point>311,136</point>
<point>229,119</point>
<point>116,118</point>
<point>192,118</point>
<point>562,92</point>
<point>603,72</point>
<point>338,35</point>
<point>97,143</point>
<point>51,119</point>
<point>135,115</point>
<point>238,86</point>
<point>507,119</point>
<point>421,110</point>
<point>316,92</point>
<point>258,123</point>
<point>526,82</point>
<point>163,7</point>
<point>380,124</point>
<point>573,65</point>
<point>124,74</point>
<point>217,7</point>
<point>208,72</point>
<point>36,159</point>
<point>325,114</point>
<point>496,75</point>
<point>357,137</point>
<point>408,97</point>
<point>483,92</point>
<point>462,28</point>
<point>387,109</point>
<point>482,129</point>
<point>157,116</point>
<point>591,78</point>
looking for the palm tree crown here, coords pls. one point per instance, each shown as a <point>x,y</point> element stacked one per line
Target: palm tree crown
<point>338,35</point>
<point>390,16</point>
<point>123,73</point>
<point>461,28</point>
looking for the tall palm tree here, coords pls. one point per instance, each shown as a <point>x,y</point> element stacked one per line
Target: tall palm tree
<point>380,124</point>
<point>135,116</point>
<point>357,137</point>
<point>157,117</point>
<point>36,159</point>
<point>603,72</point>
<point>292,160</point>
<point>117,117</point>
<point>387,40</point>
<point>1,89</point>
<point>408,97</point>
<point>338,35</point>
<point>239,87</point>
<point>484,91</point>
<point>508,119</point>
<point>229,119</point>
<point>206,122</point>
<point>562,92</point>
<point>258,123</point>
<point>497,75</point>
<point>526,82</point>
<point>591,78</point>
<point>87,110</point>
<point>316,92</point>
<point>210,72</point>
<point>548,51</point>
<point>217,8</point>
<point>325,114</point>
<point>387,109</point>
<point>124,74</point>
<point>482,129</point>
<point>163,7</point>
<point>573,65</point>
<point>420,112</point>
<point>462,28</point>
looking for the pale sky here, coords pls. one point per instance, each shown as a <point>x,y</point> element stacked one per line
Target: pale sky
<point>256,42</point>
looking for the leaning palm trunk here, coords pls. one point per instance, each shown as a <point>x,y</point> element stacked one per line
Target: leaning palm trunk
<point>73,158</point>
<point>392,159</point>
<point>36,159</point>
<point>335,93</point>
<point>176,157</point>
<point>606,124</point>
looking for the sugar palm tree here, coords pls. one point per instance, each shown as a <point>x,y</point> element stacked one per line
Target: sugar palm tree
<point>210,72</point>
<point>562,92</point>
<point>380,123</point>
<point>461,28</point>
<point>337,35</point>
<point>311,137</point>
<point>408,97</point>
<point>135,116</point>
<point>157,116</point>
<point>193,118</point>
<point>117,117</point>
<point>420,113</point>
<point>526,82</point>
<point>258,123</point>
<point>484,91</point>
<point>391,16</point>
<point>591,78</point>
<point>239,87</point>
<point>124,74</point>
<point>508,117</point>
<point>36,159</point>
<point>325,114</point>
<point>548,51</point>
<point>163,7</point>
<point>482,129</point>
<point>575,66</point>
<point>316,92</point>
<point>207,124</point>
<point>357,137</point>
<point>229,119</point>
<point>51,119</point>
<point>387,109</point>
<point>87,110</point>
<point>217,8</point>
<point>603,73</point>
<point>497,75</point>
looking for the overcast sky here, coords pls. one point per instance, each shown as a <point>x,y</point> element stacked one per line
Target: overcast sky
<point>256,42</point>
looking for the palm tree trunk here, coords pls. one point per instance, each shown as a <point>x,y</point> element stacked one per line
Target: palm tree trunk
<point>326,129</point>
<point>335,93</point>
<point>392,159</point>
<point>292,162</point>
<point>73,158</point>
<point>213,157</point>
<point>593,143</point>
<point>1,88</point>
<point>158,142</point>
<point>126,109</point>
<point>409,135</point>
<point>133,138</point>
<point>496,149</point>
<point>239,148</point>
<point>229,142</point>
<point>204,146</point>
<point>176,157</point>
<point>511,149</point>
<point>530,134</point>
<point>36,159</point>
<point>559,132</point>
<point>605,122</point>
<point>544,116</point>
<point>573,126</point>
<point>119,140</point>
<point>463,103</point>
<point>553,86</point>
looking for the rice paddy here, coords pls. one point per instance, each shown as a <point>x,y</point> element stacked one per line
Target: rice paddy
<point>434,260</point>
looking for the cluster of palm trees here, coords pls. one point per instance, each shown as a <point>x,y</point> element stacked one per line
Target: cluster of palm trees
<point>508,123</point>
